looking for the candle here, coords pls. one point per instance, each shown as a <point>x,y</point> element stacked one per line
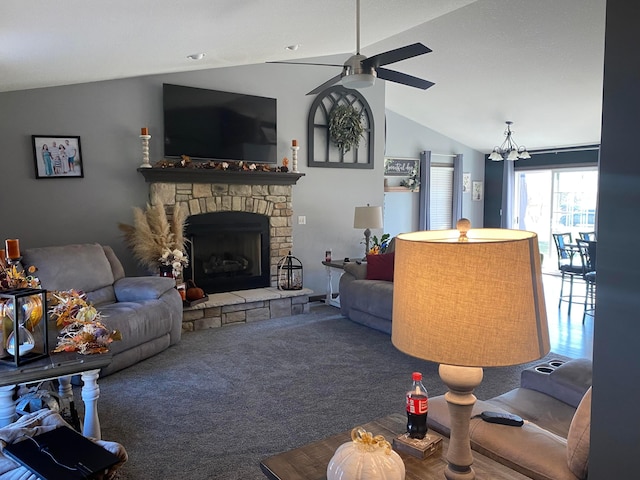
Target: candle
<point>144,131</point>
<point>13,248</point>
<point>294,143</point>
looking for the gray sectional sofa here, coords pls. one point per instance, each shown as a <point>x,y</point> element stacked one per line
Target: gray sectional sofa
<point>554,400</point>
<point>368,302</point>
<point>146,310</point>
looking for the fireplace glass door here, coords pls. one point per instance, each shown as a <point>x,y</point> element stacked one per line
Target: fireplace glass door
<point>228,251</point>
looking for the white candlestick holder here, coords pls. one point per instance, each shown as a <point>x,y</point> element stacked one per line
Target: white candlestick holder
<point>145,151</point>
<point>294,158</point>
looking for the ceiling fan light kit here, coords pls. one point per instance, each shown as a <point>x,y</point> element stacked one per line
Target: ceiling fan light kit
<point>509,149</point>
<point>354,75</point>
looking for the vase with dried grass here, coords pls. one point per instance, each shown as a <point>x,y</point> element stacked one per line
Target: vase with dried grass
<point>156,240</point>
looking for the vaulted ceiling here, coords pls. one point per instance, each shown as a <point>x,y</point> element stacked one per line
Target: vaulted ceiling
<point>537,63</point>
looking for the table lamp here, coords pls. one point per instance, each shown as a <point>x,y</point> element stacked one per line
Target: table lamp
<point>367,217</point>
<point>467,299</point>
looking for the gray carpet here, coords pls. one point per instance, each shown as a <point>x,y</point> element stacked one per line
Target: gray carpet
<point>221,400</point>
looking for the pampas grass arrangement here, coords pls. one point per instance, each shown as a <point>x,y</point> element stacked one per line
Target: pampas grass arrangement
<point>153,234</point>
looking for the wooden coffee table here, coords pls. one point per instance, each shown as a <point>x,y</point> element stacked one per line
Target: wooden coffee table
<point>310,462</point>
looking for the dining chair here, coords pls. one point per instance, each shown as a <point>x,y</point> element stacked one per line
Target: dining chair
<point>586,250</point>
<point>569,265</point>
<point>587,235</point>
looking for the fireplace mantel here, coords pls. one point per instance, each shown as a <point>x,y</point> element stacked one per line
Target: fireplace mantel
<point>210,175</point>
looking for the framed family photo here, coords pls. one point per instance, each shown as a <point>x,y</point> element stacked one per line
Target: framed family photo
<point>57,156</point>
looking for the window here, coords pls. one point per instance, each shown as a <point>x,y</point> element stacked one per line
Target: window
<point>556,200</point>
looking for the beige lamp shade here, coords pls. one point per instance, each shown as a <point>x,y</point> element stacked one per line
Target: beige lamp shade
<point>477,303</point>
<point>367,217</point>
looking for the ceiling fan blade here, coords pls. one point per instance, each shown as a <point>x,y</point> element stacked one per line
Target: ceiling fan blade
<point>396,55</point>
<point>307,63</point>
<point>403,78</point>
<point>326,84</point>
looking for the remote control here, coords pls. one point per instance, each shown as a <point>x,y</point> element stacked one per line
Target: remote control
<point>502,418</point>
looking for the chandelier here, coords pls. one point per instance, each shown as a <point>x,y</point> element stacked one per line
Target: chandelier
<point>509,150</point>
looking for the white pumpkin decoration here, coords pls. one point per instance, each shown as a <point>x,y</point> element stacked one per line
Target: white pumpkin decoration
<point>365,458</point>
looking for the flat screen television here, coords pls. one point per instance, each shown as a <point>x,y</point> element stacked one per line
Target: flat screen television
<point>220,126</point>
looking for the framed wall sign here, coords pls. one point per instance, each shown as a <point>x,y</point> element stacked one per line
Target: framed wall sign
<point>477,191</point>
<point>401,166</point>
<point>57,156</point>
<point>466,182</point>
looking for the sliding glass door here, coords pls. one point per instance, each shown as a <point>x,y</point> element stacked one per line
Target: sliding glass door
<point>555,201</point>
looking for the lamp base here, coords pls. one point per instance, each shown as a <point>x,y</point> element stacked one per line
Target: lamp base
<point>367,240</point>
<point>461,382</point>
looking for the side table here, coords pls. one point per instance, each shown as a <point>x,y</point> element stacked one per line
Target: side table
<point>329,300</point>
<point>59,366</point>
<point>310,462</point>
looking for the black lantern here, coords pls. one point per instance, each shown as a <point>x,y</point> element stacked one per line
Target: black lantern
<point>23,313</point>
<point>289,273</point>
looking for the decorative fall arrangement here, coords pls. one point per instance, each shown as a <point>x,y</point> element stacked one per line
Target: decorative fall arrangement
<point>81,329</point>
<point>11,277</point>
<point>156,241</point>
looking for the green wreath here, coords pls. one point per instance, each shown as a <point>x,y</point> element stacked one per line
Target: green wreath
<point>345,127</point>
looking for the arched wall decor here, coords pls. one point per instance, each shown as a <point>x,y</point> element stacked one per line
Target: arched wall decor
<point>321,150</point>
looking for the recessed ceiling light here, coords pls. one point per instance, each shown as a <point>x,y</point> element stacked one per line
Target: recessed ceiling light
<point>196,56</point>
<point>292,48</point>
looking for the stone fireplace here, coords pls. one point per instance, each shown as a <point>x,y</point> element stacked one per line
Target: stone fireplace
<point>265,198</point>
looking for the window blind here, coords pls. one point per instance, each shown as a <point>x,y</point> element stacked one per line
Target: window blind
<point>441,198</point>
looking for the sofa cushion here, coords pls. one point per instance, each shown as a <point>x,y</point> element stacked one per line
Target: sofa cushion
<point>138,322</point>
<point>372,296</point>
<point>579,439</point>
<point>544,410</point>
<point>136,289</point>
<point>530,450</point>
<point>380,267</point>
<point>82,267</point>
<point>114,261</point>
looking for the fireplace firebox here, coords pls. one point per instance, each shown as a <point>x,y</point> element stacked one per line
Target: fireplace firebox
<point>228,251</point>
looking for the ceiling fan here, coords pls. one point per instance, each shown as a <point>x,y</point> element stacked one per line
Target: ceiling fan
<point>359,71</point>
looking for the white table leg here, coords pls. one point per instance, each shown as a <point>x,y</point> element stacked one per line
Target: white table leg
<point>65,390</point>
<point>7,405</point>
<point>90,395</point>
<point>329,296</point>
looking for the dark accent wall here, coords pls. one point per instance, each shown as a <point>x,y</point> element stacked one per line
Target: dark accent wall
<point>615,432</point>
<point>493,176</point>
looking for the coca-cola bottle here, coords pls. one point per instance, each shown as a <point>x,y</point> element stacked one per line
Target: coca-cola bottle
<point>417,408</point>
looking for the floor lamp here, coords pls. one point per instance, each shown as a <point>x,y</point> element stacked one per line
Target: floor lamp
<point>367,217</point>
<point>467,299</point>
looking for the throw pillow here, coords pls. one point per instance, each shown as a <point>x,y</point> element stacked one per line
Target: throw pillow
<point>579,438</point>
<point>380,267</point>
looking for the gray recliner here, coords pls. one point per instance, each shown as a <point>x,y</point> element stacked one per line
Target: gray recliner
<point>146,310</point>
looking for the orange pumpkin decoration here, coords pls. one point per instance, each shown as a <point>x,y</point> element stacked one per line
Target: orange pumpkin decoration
<point>194,292</point>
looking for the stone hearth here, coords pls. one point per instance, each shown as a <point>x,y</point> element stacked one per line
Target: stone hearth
<point>245,306</point>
